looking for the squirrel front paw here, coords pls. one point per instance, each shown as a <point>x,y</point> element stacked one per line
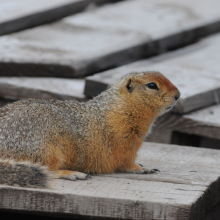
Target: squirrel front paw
<point>140,169</point>
<point>71,175</point>
<point>148,171</point>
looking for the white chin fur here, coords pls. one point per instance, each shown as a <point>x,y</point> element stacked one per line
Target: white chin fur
<point>169,108</point>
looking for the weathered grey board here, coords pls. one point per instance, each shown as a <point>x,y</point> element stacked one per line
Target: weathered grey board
<point>205,122</point>
<point>107,37</point>
<point>187,188</point>
<point>22,14</point>
<point>42,88</point>
<point>194,70</point>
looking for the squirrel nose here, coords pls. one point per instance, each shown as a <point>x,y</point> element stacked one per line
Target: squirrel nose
<point>177,95</point>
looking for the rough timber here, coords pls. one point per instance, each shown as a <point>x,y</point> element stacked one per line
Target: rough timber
<point>193,69</point>
<point>42,88</point>
<point>188,187</point>
<point>204,122</point>
<point>115,34</point>
<point>19,15</point>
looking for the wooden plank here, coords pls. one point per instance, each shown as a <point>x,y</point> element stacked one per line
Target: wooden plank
<point>203,126</point>
<point>187,188</point>
<point>42,88</point>
<point>205,122</point>
<point>107,37</point>
<point>23,14</point>
<point>194,70</point>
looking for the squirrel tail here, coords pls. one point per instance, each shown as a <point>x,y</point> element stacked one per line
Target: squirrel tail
<point>24,174</point>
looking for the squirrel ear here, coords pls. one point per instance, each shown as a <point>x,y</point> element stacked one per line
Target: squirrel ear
<point>129,85</point>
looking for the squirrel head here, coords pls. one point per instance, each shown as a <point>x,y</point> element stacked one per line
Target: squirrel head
<point>151,91</point>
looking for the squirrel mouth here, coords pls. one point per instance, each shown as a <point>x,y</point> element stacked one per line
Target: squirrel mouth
<point>169,108</point>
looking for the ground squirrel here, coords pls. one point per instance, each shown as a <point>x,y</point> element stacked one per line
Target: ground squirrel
<point>69,139</point>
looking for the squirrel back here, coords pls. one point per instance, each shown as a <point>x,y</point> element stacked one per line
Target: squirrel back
<point>101,135</point>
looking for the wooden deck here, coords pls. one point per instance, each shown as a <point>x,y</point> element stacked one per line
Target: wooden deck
<point>92,41</point>
<point>19,15</point>
<point>36,63</point>
<point>187,188</point>
<point>203,123</point>
<point>193,69</point>
<point>42,88</point>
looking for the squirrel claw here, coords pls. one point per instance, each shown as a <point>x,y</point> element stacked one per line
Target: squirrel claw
<point>140,165</point>
<point>154,171</point>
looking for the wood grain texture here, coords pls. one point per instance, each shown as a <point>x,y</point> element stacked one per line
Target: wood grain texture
<point>42,88</point>
<point>19,15</point>
<point>205,122</point>
<point>107,37</point>
<point>187,188</point>
<point>194,70</point>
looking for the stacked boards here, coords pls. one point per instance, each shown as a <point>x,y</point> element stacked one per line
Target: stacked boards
<point>39,62</point>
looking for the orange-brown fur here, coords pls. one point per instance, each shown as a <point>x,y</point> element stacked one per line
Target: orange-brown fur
<point>100,136</point>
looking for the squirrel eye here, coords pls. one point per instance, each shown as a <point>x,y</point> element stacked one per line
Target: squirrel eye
<point>152,86</point>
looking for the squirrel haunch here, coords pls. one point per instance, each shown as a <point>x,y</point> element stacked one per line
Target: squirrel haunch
<point>102,135</point>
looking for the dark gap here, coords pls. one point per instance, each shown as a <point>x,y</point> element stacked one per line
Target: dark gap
<point>185,139</point>
<point>194,140</point>
<point>214,213</point>
<point>24,215</point>
<point>4,101</point>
